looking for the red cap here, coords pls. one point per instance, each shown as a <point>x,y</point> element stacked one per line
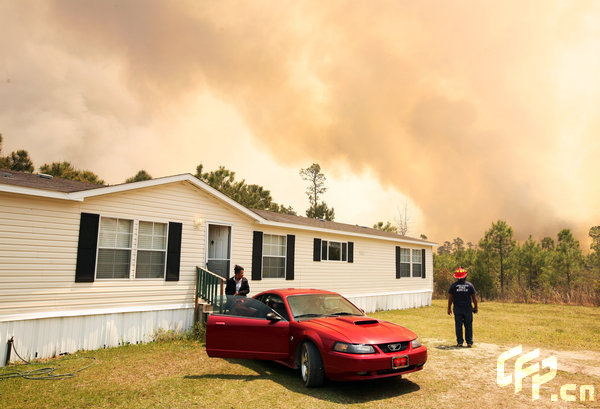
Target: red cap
<point>460,273</point>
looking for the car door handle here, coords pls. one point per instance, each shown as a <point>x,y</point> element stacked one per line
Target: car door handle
<point>219,323</point>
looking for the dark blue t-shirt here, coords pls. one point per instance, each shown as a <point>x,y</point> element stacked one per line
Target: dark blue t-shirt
<point>462,291</point>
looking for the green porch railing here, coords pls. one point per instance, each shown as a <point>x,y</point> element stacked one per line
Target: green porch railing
<point>210,287</point>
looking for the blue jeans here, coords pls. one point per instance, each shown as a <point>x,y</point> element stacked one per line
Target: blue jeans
<point>463,316</point>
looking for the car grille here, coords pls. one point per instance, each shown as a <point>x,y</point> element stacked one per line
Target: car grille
<point>386,348</point>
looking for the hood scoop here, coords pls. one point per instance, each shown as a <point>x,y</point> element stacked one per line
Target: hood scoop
<point>358,321</point>
<point>366,322</point>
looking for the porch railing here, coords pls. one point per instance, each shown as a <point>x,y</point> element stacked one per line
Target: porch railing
<point>210,287</point>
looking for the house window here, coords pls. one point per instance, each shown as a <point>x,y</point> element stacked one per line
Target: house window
<point>111,248</point>
<point>274,251</point>
<point>334,251</point>
<point>404,262</point>
<point>114,248</point>
<point>151,250</point>
<point>416,263</point>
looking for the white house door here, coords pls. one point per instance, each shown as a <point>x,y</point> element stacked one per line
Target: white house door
<point>219,250</point>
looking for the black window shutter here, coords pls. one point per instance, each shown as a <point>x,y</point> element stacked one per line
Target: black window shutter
<point>317,250</point>
<point>257,246</point>
<point>350,252</point>
<point>289,260</point>
<point>398,262</point>
<point>173,251</point>
<point>423,263</point>
<point>86,248</point>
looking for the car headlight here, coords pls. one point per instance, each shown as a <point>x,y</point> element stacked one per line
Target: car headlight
<point>353,348</point>
<point>416,343</point>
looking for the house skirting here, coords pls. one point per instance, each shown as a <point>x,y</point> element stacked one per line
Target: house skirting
<point>69,332</point>
<point>56,333</point>
<point>397,300</point>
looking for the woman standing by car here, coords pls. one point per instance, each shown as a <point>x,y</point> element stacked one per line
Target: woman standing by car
<point>237,285</point>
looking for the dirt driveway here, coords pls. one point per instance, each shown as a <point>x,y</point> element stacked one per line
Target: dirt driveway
<point>470,375</point>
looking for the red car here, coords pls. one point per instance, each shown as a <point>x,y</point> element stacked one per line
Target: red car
<point>320,332</point>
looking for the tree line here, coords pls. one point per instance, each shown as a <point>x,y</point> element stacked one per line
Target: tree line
<point>252,196</point>
<point>553,270</point>
<point>20,161</point>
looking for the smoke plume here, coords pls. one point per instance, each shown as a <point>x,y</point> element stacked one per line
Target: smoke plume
<point>477,110</point>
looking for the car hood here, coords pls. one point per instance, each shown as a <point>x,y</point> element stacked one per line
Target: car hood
<point>360,330</point>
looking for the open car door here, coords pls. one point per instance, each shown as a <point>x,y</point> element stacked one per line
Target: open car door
<point>246,328</point>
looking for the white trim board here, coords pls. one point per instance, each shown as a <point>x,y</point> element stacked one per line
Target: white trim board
<point>96,311</point>
<point>387,293</point>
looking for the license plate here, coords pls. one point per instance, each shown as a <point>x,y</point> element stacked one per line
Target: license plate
<point>399,362</point>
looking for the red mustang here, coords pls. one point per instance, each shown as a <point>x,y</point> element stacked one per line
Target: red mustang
<point>320,332</point>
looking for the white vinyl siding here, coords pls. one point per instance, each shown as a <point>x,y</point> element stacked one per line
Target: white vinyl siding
<point>38,249</point>
<point>372,272</point>
<point>114,248</point>
<point>274,250</point>
<point>152,250</point>
<point>38,252</point>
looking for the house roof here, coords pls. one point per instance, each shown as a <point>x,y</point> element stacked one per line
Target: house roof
<point>329,225</point>
<point>44,182</point>
<point>54,187</point>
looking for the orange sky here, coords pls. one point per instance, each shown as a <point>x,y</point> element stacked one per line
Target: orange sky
<point>468,112</point>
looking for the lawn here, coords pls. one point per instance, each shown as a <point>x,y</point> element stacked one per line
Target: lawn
<point>178,374</point>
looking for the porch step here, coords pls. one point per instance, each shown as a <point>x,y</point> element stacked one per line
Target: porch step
<point>202,312</point>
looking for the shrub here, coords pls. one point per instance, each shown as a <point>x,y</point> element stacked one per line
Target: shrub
<point>195,333</point>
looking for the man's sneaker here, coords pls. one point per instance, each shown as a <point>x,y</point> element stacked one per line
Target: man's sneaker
<point>459,345</point>
<point>469,345</point>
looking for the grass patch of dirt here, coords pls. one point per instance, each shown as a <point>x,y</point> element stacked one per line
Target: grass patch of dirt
<point>179,374</point>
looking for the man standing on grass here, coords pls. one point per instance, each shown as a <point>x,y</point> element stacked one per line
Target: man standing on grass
<point>461,293</point>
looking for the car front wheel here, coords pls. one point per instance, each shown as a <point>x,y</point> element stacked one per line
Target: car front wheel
<point>311,365</point>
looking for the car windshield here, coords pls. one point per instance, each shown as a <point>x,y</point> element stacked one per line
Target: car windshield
<point>308,306</point>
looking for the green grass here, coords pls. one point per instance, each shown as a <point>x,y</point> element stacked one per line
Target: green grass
<point>177,373</point>
<point>540,325</point>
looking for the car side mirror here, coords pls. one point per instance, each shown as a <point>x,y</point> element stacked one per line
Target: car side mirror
<point>273,317</point>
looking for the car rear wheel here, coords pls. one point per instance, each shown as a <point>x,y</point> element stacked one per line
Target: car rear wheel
<point>311,365</point>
